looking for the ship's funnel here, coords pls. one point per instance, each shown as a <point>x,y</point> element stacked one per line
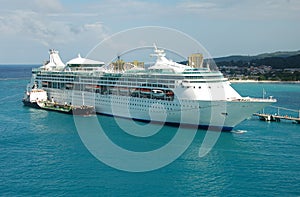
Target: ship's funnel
<point>55,62</point>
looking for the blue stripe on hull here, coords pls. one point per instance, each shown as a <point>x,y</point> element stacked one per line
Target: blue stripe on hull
<point>202,127</point>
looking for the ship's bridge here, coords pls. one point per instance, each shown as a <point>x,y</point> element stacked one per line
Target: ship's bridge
<point>197,75</point>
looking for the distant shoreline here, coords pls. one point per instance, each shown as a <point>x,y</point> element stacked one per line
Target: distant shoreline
<point>263,81</point>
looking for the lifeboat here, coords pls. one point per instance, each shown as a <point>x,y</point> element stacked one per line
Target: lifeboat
<point>158,93</point>
<point>145,91</point>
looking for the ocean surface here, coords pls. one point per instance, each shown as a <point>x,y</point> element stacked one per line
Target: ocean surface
<point>41,152</point>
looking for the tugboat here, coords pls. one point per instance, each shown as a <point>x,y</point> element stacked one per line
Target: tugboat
<point>33,96</point>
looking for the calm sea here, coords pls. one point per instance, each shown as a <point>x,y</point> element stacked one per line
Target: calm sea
<point>41,153</point>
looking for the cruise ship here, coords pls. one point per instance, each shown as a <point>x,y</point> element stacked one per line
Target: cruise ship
<point>164,92</point>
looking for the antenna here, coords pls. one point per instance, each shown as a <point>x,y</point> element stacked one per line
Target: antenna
<point>158,52</point>
<point>154,45</point>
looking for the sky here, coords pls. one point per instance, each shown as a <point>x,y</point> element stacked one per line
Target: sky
<point>28,29</point>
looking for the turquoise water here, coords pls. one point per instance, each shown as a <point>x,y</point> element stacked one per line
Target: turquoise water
<point>41,153</point>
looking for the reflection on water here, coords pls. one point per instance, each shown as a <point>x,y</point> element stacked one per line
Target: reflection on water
<point>37,114</point>
<point>37,119</point>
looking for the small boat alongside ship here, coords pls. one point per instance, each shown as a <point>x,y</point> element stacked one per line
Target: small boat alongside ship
<point>66,108</point>
<point>37,98</point>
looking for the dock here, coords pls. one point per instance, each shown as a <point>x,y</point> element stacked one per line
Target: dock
<point>277,117</point>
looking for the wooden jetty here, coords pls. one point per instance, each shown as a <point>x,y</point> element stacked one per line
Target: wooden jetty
<point>277,117</point>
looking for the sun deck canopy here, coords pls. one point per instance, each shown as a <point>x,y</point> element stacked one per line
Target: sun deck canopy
<point>84,62</point>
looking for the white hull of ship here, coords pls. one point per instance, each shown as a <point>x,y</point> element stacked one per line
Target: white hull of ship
<point>216,115</point>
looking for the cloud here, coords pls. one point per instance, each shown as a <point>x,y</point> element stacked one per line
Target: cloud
<point>249,10</point>
<point>36,26</point>
<point>28,24</point>
<point>131,9</point>
<point>47,6</point>
<point>40,6</point>
<point>70,14</point>
<point>193,5</point>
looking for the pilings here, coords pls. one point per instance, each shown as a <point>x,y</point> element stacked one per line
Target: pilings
<point>277,117</point>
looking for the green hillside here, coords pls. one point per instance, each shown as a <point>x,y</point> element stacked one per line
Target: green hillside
<point>280,66</point>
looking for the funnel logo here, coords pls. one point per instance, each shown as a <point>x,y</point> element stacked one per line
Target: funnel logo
<point>154,91</point>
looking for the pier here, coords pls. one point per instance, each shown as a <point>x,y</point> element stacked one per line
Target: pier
<point>277,117</point>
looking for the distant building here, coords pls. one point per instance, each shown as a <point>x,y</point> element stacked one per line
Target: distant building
<point>196,60</point>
